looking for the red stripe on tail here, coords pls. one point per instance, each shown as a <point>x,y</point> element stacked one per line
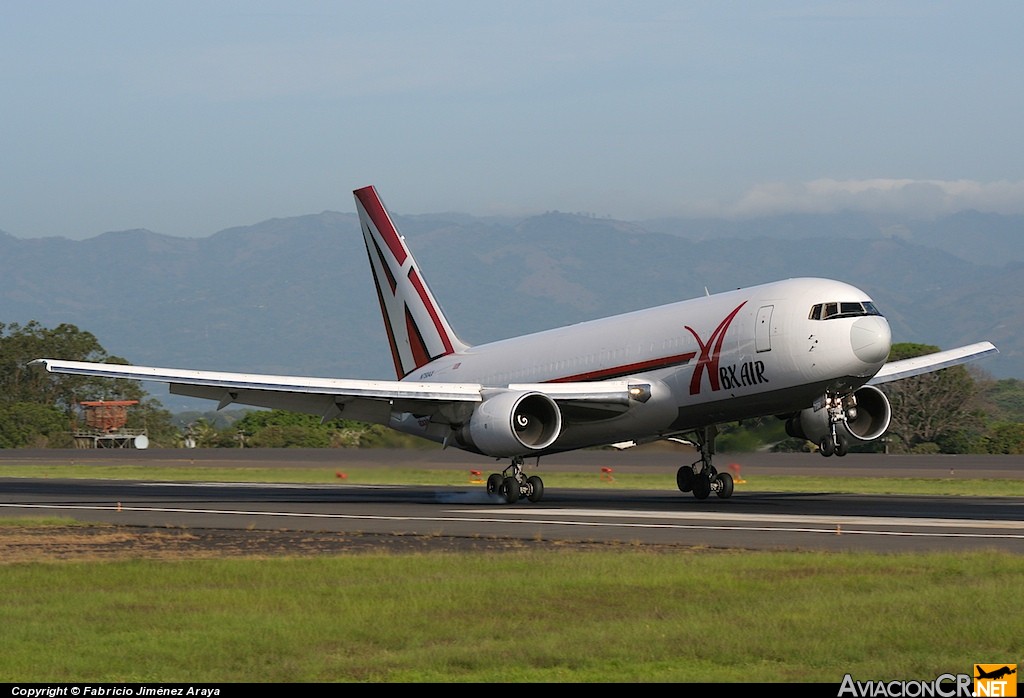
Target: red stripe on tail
<point>378,214</point>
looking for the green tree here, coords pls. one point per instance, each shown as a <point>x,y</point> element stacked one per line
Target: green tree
<point>158,423</point>
<point>283,429</point>
<point>932,412</point>
<point>750,435</point>
<point>31,425</point>
<point>21,383</point>
<point>1007,437</point>
<point>205,434</point>
<point>1004,399</point>
<point>25,388</point>
<point>1002,402</point>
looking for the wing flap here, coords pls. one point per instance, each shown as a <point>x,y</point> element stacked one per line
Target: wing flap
<point>905,368</point>
<point>327,407</point>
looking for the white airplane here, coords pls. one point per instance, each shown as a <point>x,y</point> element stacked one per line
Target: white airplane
<point>808,350</point>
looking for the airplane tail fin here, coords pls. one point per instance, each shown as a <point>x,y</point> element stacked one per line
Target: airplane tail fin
<point>416,326</point>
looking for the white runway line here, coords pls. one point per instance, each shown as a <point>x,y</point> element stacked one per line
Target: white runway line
<point>781,518</point>
<point>830,525</point>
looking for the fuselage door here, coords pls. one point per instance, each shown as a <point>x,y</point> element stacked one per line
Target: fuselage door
<point>763,329</point>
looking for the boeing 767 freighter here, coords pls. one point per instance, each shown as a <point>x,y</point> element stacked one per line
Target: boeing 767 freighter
<point>810,351</point>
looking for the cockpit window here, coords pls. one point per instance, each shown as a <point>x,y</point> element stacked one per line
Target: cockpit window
<point>828,311</point>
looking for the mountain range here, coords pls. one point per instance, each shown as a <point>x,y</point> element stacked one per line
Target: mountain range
<point>295,295</point>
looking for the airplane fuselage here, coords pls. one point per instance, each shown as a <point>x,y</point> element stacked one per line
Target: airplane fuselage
<point>712,359</point>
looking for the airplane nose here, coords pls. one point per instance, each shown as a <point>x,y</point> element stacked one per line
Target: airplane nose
<point>871,339</point>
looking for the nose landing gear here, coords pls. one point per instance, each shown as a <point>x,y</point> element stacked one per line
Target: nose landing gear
<point>835,443</point>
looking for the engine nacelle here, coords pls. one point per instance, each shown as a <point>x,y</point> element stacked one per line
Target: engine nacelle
<point>866,416</point>
<point>513,424</point>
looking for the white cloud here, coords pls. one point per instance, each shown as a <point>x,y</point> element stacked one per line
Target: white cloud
<point>912,197</point>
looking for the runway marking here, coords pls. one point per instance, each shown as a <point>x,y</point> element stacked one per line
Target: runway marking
<point>831,530</point>
<point>781,518</point>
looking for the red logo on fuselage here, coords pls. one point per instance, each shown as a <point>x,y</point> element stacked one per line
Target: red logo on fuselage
<point>710,353</point>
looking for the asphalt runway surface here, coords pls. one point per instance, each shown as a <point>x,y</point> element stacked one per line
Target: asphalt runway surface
<point>466,517</point>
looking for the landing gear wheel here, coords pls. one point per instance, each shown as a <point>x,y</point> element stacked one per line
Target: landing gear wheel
<point>494,483</point>
<point>724,485</point>
<point>701,486</point>
<point>842,448</point>
<point>685,478</point>
<point>536,489</point>
<point>827,446</point>
<point>510,490</point>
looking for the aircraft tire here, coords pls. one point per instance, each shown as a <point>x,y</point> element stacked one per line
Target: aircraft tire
<point>510,490</point>
<point>727,485</point>
<point>536,489</point>
<point>494,483</point>
<point>842,447</point>
<point>701,486</point>
<point>685,478</point>
<point>827,446</point>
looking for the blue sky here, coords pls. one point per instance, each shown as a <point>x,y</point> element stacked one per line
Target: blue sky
<point>189,117</point>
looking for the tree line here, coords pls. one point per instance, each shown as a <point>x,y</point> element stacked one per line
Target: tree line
<point>955,410</point>
<point>44,410</point>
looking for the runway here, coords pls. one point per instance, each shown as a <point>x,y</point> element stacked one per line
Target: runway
<point>666,518</point>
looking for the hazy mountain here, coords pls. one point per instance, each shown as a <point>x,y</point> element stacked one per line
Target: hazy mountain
<point>294,295</point>
<point>982,238</point>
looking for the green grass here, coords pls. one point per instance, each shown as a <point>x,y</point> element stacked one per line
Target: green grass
<point>552,479</point>
<point>627,616</point>
<point>37,522</point>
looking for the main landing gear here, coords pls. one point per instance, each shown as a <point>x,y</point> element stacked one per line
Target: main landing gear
<point>700,477</point>
<point>512,484</point>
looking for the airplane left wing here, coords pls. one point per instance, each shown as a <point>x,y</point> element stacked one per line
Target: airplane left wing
<point>363,400</point>
<point>905,368</point>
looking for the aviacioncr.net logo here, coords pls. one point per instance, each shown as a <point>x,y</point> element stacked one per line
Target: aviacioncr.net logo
<point>944,686</point>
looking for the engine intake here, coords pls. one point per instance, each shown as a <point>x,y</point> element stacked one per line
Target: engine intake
<point>513,424</point>
<point>866,416</point>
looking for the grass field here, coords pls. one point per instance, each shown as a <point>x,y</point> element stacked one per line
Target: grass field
<point>622,615</point>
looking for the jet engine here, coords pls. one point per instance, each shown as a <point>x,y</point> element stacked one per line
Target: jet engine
<point>512,423</point>
<point>863,415</point>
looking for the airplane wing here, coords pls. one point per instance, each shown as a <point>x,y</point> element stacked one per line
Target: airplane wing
<point>363,400</point>
<point>905,368</point>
